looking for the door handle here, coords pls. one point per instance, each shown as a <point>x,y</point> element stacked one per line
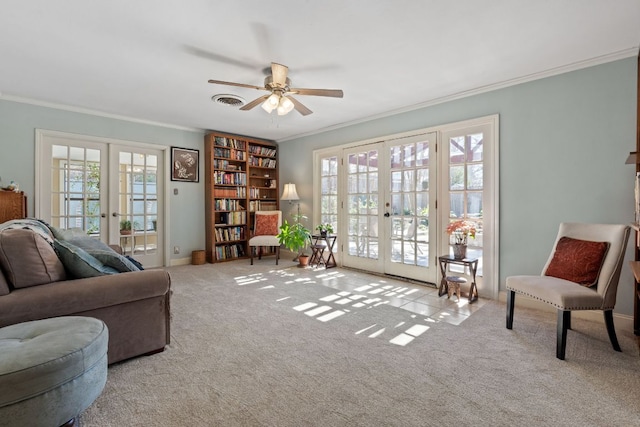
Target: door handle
<point>103,215</point>
<point>115,214</point>
<point>387,214</point>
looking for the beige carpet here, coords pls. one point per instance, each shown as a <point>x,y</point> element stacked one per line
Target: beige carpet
<point>256,346</point>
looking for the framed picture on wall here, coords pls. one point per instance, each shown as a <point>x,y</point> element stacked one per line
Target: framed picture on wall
<point>184,164</point>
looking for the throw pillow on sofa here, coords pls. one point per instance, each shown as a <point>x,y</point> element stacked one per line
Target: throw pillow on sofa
<point>27,259</point>
<point>78,263</point>
<point>99,250</point>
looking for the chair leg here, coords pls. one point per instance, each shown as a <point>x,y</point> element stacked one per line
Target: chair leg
<point>564,320</point>
<point>277,254</point>
<point>511,297</point>
<point>611,330</point>
<point>251,253</point>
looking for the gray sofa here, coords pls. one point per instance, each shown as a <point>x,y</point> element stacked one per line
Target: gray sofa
<point>38,282</point>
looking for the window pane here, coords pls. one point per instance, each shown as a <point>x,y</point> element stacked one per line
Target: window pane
<point>475,148</point>
<point>474,176</point>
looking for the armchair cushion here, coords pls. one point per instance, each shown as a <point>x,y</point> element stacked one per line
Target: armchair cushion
<point>577,260</point>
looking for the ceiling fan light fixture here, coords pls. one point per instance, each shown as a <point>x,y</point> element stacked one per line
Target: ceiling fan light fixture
<point>285,106</point>
<point>271,103</point>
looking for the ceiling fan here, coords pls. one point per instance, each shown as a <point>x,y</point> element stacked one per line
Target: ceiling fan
<point>280,98</point>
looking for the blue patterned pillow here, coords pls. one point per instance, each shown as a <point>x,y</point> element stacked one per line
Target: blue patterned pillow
<point>78,263</point>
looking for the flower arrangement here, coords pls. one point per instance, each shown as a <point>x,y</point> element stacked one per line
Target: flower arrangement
<point>460,229</point>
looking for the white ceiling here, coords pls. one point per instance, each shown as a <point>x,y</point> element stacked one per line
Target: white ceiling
<point>150,60</point>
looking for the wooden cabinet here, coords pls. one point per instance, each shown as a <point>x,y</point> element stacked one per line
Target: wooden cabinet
<point>12,205</point>
<point>241,178</point>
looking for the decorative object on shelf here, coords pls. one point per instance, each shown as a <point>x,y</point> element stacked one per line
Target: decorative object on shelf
<point>184,164</point>
<point>324,229</point>
<point>461,230</point>
<point>295,237</point>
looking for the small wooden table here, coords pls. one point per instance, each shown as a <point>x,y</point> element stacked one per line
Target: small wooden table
<point>472,263</point>
<point>330,241</point>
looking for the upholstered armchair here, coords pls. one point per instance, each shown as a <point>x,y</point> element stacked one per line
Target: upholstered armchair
<point>266,228</point>
<point>582,273</point>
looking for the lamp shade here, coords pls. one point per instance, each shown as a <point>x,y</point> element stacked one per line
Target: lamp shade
<point>289,192</point>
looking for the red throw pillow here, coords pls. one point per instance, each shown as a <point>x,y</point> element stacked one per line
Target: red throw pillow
<point>266,225</point>
<point>578,261</point>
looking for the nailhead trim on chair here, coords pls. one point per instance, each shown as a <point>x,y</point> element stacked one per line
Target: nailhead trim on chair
<point>558,306</point>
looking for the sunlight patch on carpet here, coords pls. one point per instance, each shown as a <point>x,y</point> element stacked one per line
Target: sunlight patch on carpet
<point>331,316</point>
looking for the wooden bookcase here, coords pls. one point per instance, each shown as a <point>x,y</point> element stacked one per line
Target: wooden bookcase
<point>241,178</point>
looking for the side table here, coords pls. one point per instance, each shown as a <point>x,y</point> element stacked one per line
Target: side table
<point>330,241</point>
<point>471,263</point>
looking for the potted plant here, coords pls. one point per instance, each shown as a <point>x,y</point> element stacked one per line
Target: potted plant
<point>461,230</point>
<point>295,237</point>
<point>125,226</point>
<point>324,229</point>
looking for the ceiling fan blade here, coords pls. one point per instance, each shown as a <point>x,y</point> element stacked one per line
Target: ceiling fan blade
<point>279,74</point>
<point>299,107</point>
<point>334,93</point>
<point>254,103</point>
<point>220,82</point>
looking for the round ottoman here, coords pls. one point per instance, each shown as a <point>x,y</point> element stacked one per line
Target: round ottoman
<point>51,370</point>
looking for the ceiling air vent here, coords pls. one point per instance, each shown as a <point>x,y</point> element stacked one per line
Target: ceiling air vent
<point>229,100</point>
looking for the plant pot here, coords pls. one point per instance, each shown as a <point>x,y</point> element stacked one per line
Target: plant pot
<point>459,251</point>
<point>323,233</point>
<point>125,232</point>
<point>303,260</point>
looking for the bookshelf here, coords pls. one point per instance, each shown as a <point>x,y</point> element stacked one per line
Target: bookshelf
<point>241,178</point>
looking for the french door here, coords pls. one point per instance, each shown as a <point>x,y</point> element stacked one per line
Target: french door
<point>390,207</point>
<point>109,191</point>
<point>392,200</point>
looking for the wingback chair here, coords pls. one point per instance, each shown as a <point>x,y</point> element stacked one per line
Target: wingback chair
<point>266,228</point>
<point>587,253</point>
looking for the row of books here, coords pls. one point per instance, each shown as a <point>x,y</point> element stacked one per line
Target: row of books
<point>224,164</point>
<point>229,234</point>
<point>240,192</point>
<point>230,178</point>
<point>229,251</point>
<point>229,153</point>
<point>221,141</point>
<point>262,205</point>
<point>262,162</point>
<point>262,151</point>
<point>255,193</point>
<point>233,218</point>
<point>228,205</point>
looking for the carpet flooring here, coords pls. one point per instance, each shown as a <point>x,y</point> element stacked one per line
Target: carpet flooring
<point>266,346</point>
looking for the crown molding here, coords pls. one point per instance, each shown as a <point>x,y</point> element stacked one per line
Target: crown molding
<point>615,56</point>
<point>97,113</point>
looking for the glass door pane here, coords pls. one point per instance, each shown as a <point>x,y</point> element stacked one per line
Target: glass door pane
<point>411,207</point>
<point>137,204</point>
<point>75,200</point>
<point>362,242</point>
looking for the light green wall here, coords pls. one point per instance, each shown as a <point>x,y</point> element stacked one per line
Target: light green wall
<point>19,121</point>
<point>563,143</point>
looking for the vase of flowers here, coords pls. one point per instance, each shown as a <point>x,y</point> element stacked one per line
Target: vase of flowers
<point>460,230</point>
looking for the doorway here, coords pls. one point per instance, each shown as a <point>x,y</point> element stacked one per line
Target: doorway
<point>112,192</point>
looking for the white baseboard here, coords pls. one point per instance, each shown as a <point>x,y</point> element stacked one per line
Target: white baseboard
<point>181,261</point>
<point>621,321</point>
